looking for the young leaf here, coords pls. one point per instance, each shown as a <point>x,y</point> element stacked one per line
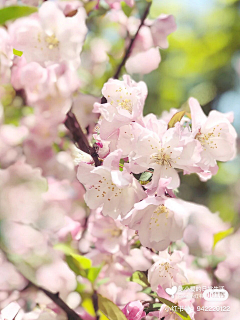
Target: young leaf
<point>78,264</point>
<point>145,176</point>
<point>140,278</point>
<point>121,164</point>
<point>15,12</point>
<point>221,235</point>
<point>188,286</point>
<point>90,5</point>
<point>65,248</point>
<point>176,118</point>
<point>109,309</point>
<point>87,303</point>
<point>181,313</point>
<point>126,9</point>
<point>17,52</point>
<point>93,273</point>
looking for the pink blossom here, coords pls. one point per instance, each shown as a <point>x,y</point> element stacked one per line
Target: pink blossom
<point>11,138</point>
<point>110,234</point>
<point>6,56</point>
<point>161,28</point>
<point>125,101</point>
<point>55,83</point>
<point>166,271</point>
<point>137,63</point>
<point>158,221</point>
<point>49,36</point>
<point>216,135</point>
<point>145,56</point>
<point>163,154</point>
<point>134,310</point>
<point>202,225</point>
<point>107,186</point>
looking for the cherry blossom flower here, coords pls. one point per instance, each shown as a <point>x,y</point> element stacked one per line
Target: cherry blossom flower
<point>107,186</point>
<point>163,154</point>
<point>166,271</point>
<point>6,56</point>
<point>202,225</point>
<point>160,28</point>
<point>134,310</point>
<point>110,234</point>
<point>216,135</point>
<point>158,221</point>
<point>49,36</point>
<point>145,56</point>
<point>46,87</point>
<point>125,101</point>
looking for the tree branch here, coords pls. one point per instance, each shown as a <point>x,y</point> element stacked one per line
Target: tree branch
<point>80,139</point>
<point>128,51</point>
<point>71,314</point>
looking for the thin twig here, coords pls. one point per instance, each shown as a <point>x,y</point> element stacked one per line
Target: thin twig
<point>128,51</point>
<point>71,314</point>
<point>95,303</point>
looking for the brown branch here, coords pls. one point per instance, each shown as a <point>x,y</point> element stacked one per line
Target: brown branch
<point>128,51</point>
<point>80,139</point>
<point>71,314</point>
<point>95,303</point>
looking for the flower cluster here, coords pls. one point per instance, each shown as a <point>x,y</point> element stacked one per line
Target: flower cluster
<point>137,178</point>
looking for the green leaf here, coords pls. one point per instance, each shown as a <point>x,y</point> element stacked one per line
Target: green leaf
<point>121,164</point>
<point>78,264</point>
<point>181,313</point>
<point>109,309</point>
<point>145,176</point>
<point>140,278</point>
<point>87,303</point>
<point>65,248</point>
<point>126,9</point>
<point>80,287</point>
<point>93,273</point>
<point>176,118</point>
<point>221,235</point>
<point>90,5</point>
<point>17,52</point>
<point>188,286</point>
<point>15,12</point>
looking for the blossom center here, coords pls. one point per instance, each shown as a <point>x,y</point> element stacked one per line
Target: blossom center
<point>116,233</point>
<point>126,104</point>
<point>156,215</point>
<point>165,267</point>
<point>162,158</point>
<point>52,41</point>
<point>206,139</point>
